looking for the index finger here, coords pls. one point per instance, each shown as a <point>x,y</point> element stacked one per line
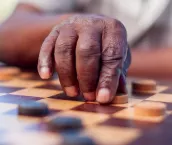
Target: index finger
<point>114,49</point>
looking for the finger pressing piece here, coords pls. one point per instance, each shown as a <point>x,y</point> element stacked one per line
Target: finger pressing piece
<point>108,83</point>
<point>88,53</point>
<point>46,60</point>
<point>114,45</point>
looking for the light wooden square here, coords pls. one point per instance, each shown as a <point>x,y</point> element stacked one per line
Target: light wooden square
<point>22,83</point>
<point>32,137</point>
<point>2,94</point>
<point>25,75</point>
<point>55,82</point>
<point>4,107</point>
<point>161,97</point>
<point>108,135</point>
<point>59,104</point>
<point>35,92</point>
<point>161,88</point>
<point>12,123</point>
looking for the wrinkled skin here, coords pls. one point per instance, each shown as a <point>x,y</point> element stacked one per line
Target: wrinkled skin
<point>90,54</point>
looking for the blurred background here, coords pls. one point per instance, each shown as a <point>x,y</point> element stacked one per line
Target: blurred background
<point>144,19</point>
<point>6,9</point>
<point>148,24</point>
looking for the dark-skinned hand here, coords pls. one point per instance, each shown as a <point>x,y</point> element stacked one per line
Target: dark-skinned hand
<point>90,54</point>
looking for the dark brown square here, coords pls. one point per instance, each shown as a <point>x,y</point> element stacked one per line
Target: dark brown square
<point>17,99</point>
<point>141,96</point>
<point>169,106</point>
<point>96,108</point>
<point>50,86</point>
<point>9,89</point>
<point>63,96</point>
<point>128,123</point>
<point>167,91</point>
<point>160,135</point>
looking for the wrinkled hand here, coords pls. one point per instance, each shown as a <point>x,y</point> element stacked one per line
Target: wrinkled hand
<point>90,54</point>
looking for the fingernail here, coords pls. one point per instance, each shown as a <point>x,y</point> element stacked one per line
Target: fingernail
<point>45,73</point>
<point>71,91</point>
<point>90,96</point>
<point>103,96</point>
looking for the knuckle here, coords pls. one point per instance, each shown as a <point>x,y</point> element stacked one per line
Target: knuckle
<point>115,25</point>
<point>113,50</point>
<point>119,25</point>
<point>63,48</point>
<point>89,49</point>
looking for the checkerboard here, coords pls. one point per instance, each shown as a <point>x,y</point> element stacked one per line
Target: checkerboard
<point>106,125</point>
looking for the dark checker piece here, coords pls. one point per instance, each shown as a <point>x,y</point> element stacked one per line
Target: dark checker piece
<point>77,140</point>
<point>65,123</point>
<point>33,109</point>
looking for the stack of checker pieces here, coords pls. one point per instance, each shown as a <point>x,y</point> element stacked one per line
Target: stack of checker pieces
<point>97,124</point>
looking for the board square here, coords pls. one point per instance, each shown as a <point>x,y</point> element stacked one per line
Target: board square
<point>141,96</point>
<point>50,86</point>
<point>129,123</point>
<point>17,99</point>
<point>58,104</point>
<point>160,135</point>
<point>112,135</point>
<point>4,78</point>
<point>161,88</point>
<point>11,123</point>
<point>36,92</point>
<point>9,89</point>
<point>96,108</point>
<point>4,107</point>
<point>161,98</point>
<point>29,76</point>
<point>21,83</point>
<point>63,96</point>
<point>1,94</point>
<point>25,137</point>
<point>167,91</point>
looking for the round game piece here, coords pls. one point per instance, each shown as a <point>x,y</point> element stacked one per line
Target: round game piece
<point>33,109</point>
<point>77,140</point>
<point>65,123</point>
<point>150,109</point>
<point>9,71</point>
<point>120,99</point>
<point>144,87</point>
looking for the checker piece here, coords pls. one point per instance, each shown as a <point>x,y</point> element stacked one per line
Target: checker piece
<point>144,87</point>
<point>150,109</point>
<point>33,109</point>
<point>77,140</point>
<point>65,123</point>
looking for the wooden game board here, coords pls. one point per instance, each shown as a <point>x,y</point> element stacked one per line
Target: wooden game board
<point>107,125</point>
